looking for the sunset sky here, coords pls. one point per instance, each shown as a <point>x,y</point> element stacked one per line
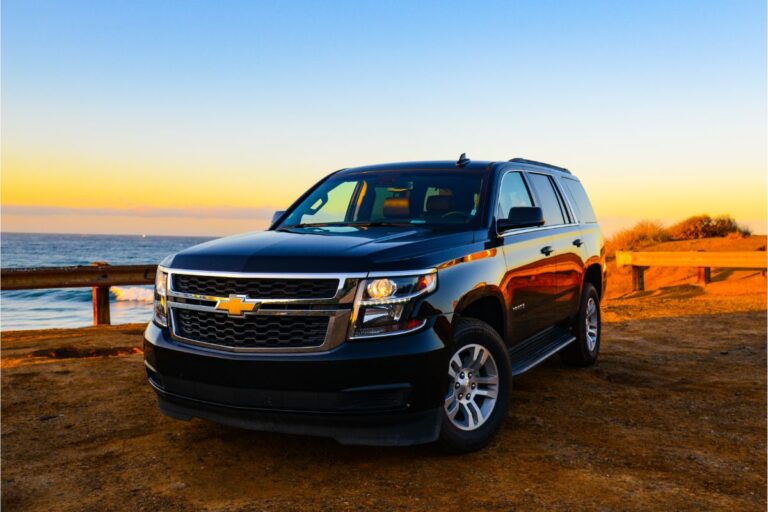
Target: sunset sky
<point>191,117</point>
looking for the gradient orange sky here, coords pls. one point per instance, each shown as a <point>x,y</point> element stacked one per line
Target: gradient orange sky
<point>191,119</point>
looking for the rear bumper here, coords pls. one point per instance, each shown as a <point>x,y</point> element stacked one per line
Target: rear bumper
<point>385,391</point>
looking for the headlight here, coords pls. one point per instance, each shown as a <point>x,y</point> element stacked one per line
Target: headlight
<point>385,306</point>
<point>161,294</point>
<point>381,288</point>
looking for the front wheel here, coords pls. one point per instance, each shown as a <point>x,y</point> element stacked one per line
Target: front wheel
<point>584,350</point>
<point>479,381</point>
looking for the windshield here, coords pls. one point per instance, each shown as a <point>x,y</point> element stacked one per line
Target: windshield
<point>386,198</point>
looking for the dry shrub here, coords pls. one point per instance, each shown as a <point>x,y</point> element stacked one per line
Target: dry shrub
<point>644,233</point>
<point>704,226</point>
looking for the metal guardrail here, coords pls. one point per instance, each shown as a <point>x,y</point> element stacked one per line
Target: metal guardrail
<point>704,261</point>
<point>99,276</point>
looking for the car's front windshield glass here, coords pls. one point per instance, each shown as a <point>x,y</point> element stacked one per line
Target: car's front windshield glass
<point>392,198</point>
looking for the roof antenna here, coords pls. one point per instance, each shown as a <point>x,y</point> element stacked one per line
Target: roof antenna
<point>463,160</point>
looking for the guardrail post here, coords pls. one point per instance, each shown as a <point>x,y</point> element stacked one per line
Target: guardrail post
<point>705,275</point>
<point>638,278</point>
<point>100,301</point>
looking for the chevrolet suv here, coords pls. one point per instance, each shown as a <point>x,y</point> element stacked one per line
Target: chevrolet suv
<point>389,305</point>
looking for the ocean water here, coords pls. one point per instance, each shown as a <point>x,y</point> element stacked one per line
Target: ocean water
<point>72,307</point>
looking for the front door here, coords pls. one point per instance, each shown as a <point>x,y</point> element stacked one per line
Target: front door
<point>530,284</point>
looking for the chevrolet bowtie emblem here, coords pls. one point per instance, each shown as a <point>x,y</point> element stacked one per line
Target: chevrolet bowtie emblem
<point>237,305</point>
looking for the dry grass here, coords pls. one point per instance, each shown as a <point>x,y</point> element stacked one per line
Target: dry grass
<point>704,226</point>
<point>644,233</point>
<point>649,232</point>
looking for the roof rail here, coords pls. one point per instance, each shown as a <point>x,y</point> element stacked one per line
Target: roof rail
<point>540,164</point>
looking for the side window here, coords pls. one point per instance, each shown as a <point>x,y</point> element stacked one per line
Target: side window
<point>550,204</point>
<point>579,199</point>
<point>513,193</point>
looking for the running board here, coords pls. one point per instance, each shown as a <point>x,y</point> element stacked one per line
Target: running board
<point>531,352</point>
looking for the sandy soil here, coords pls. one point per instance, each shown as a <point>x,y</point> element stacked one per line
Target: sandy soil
<point>672,417</point>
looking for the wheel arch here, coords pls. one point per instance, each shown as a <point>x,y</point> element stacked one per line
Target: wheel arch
<point>485,304</point>
<point>594,275</point>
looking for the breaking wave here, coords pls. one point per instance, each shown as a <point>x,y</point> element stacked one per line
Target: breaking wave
<point>132,293</point>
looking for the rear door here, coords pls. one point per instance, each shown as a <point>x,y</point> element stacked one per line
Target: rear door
<point>564,243</point>
<point>530,284</point>
<point>591,238</point>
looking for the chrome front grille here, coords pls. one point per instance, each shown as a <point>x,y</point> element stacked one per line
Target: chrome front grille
<point>293,312</point>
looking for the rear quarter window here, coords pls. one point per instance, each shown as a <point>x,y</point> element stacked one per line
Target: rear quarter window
<point>579,199</point>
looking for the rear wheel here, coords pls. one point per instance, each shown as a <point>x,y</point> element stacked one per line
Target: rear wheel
<point>479,381</point>
<point>584,351</point>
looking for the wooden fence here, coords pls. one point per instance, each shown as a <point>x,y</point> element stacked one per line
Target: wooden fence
<point>99,276</point>
<point>704,261</point>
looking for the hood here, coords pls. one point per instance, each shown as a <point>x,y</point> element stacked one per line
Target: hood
<point>328,249</point>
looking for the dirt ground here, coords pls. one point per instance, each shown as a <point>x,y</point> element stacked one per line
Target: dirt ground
<point>672,417</point>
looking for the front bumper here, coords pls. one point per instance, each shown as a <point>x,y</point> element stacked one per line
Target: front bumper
<point>381,391</point>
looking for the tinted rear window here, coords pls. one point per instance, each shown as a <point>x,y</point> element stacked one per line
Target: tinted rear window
<point>579,199</point>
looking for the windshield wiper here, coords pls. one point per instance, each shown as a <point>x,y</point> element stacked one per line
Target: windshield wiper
<point>374,224</point>
<point>379,223</point>
<point>313,225</point>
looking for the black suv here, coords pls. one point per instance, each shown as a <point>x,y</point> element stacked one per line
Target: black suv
<point>390,304</point>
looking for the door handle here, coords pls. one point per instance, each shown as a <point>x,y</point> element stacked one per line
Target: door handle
<point>577,242</point>
<point>547,250</point>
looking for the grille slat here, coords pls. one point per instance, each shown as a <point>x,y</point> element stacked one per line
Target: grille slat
<point>256,288</point>
<point>252,331</point>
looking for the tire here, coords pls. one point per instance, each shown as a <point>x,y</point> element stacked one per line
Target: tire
<point>584,351</point>
<point>466,427</point>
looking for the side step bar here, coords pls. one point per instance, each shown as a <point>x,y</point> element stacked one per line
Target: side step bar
<point>537,349</point>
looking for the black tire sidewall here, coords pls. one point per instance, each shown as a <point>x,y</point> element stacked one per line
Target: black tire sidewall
<point>470,331</point>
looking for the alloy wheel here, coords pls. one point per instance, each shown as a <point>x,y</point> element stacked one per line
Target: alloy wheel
<point>591,324</point>
<point>473,387</point>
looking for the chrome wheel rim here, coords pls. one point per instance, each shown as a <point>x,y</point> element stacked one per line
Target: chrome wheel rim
<point>591,324</point>
<point>473,388</point>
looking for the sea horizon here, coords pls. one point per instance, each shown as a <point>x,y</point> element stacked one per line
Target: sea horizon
<point>140,235</point>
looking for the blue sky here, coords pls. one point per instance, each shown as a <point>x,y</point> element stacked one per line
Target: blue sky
<point>659,106</point>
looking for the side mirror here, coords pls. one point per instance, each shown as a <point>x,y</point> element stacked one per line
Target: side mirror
<point>277,215</point>
<point>521,217</point>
